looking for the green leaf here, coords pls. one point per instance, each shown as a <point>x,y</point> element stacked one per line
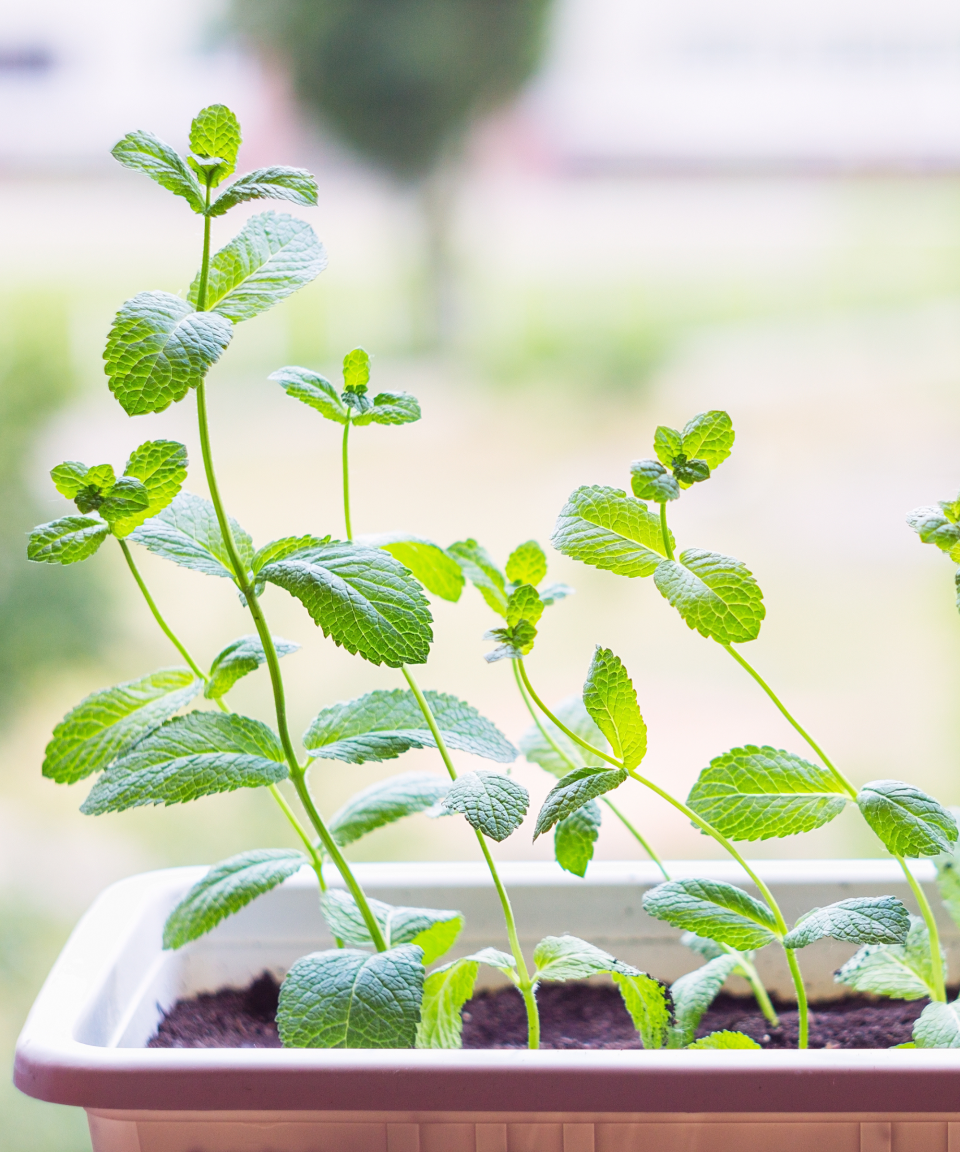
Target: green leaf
<point>275,183</point>
<point>435,931</point>
<point>492,803</point>
<point>524,604</point>
<point>313,389</point>
<point>72,477</point>
<point>908,821</point>
<point>573,791</point>
<point>67,540</point>
<point>724,1039</point>
<point>161,466</point>
<point>611,530</point>
<point>574,838</point>
<point>948,882</point>
<point>445,992</point>
<point>127,498</point>
<point>482,573</point>
<point>390,408</point>
<point>385,802</point>
<point>188,757</point>
<point>226,888</point>
<point>609,697</point>
<point>934,527</point>
<point>570,958</point>
<point>554,593</point>
<point>649,480</point>
<point>714,909</point>
<point>938,1026</point>
<point>349,999</point>
<point>646,1001</point>
<point>215,131</point>
<point>356,370</point>
<point>708,437</point>
<point>435,569</point>
<point>108,723</point>
<point>753,793</point>
<point>267,261</point>
<point>361,598</point>
<point>515,641</point>
<point>143,152</point>
<point>901,971</point>
<point>668,444</point>
<point>383,724</point>
<point>860,920</point>
<point>527,564</point>
<point>693,994</point>
<point>714,594</point>
<point>188,533</point>
<point>574,715</point>
<point>159,348</point>
<point>243,656</point>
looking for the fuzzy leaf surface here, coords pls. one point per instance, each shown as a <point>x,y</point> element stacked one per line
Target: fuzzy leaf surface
<point>128,497</point>
<point>67,540</point>
<point>574,715</point>
<point>570,958</point>
<point>610,698</point>
<point>313,389</point>
<point>384,802</point>
<point>575,836</point>
<point>275,183</point>
<point>445,992</point>
<point>938,1026</point>
<point>860,920</point>
<point>646,1001</point>
<point>724,1039</point>
<point>714,594</point>
<point>693,994</point>
<point>482,573</point>
<point>434,568</point>
<point>492,803</point>
<point>649,480</point>
<point>161,466</point>
<point>714,909</point>
<point>900,971</point>
<point>908,821</point>
<point>573,791</point>
<point>611,530</point>
<point>144,152</point>
<point>527,564</point>
<point>390,408</point>
<point>215,131</point>
<point>433,930</point>
<point>238,659</point>
<point>188,533</point>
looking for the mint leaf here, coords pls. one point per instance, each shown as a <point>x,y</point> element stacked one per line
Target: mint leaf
<point>934,527</point>
<point>435,569</point>
<point>515,641</point>
<point>611,530</point>
<point>226,888</point>
<point>108,723</point>
<point>71,478</point>
<point>385,802</point>
<point>554,593</point>
<point>668,444</point>
<point>383,724</point>
<point>482,573</point>
<point>693,994</point>
<point>573,791</point>
<point>610,698</point>
<point>527,564</point>
<point>313,389</point>
<point>445,991</point>
<point>753,793</point>
<point>724,1039</point>
<point>127,498</point>
<point>708,949</point>
<point>356,370</point>
<point>238,659</point>
<point>188,533</point>
<point>908,821</point>
<point>349,999</point>
<point>284,547</point>
<point>649,480</point>
<point>390,408</point>
<point>524,604</point>
<point>188,757</point>
<point>159,348</point>
<point>492,803</point>
<point>361,598</point>
<point>861,920</point>
<point>575,836</point>
<point>574,715</point>
<point>714,909</point>
<point>433,930</point>
<point>67,540</point>
<point>570,958</point>
<point>708,437</point>
<point>938,1026</point>
<point>714,594</point>
<point>267,261</point>
<point>161,466</point>
<point>143,152</point>
<point>948,882</point>
<point>215,132</point>
<point>901,971</point>
<point>646,1001</point>
<point>275,183</point>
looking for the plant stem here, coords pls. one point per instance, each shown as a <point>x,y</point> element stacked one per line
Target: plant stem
<point>936,960</point>
<point>524,983</point>
<point>665,531</point>
<point>759,992</point>
<point>346,478</point>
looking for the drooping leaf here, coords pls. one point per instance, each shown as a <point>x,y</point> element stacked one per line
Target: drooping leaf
<point>238,659</point>
<point>901,971</point>
<point>159,348</point>
<point>708,437</point>
<point>188,757</point>
<point>570,958</point>
<point>161,466</point>
<point>436,570</point>
<point>724,1039</point>
<point>390,408</point>
<point>714,594</point>
<point>753,793</point>
<point>860,920</point>
<point>574,715</point>
<point>434,930</point>
<point>610,698</point>
<point>215,132</point>
<point>693,994</point>
<point>527,564</point>
<point>649,480</point>
<point>482,573</point>
<point>275,183</point>
<point>933,526</point>
<point>383,724</point>
<point>611,530</point>
<point>226,888</point>
<point>67,540</point>
<point>646,1001</point>
<point>267,261</point>
<point>343,998</point>
<point>573,790</point>
<point>313,389</point>
<point>494,804</point>
<point>106,724</point>
<point>908,821</point>
<point>938,1026</point>
<point>361,598</point>
<point>714,909</point>
<point>575,836</point>
<point>385,802</point>
<point>188,533</point>
<point>143,152</point>
<point>948,882</point>
<point>445,991</point>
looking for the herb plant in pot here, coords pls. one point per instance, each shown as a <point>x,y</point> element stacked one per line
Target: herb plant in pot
<point>370,1010</point>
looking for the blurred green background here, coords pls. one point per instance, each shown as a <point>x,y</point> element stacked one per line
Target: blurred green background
<point>580,310</point>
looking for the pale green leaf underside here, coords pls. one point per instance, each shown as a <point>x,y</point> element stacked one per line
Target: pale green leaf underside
<point>714,594</point>
<point>610,698</point>
<point>860,920</point>
<point>390,408</point>
<point>434,568</point>
<point>67,540</point>
<point>492,803</point>
<point>574,790</point>
<point>385,802</point>
<point>901,971</point>
<point>444,994</point>
<point>714,909</point>
<point>188,533</point>
<point>483,574</point>
<point>611,530</point>
<point>725,1039</point>
<point>274,183</point>
<point>646,1001</point>
<point>570,958</point>
<point>693,994</point>
<point>144,152</point>
<point>574,838</point>
<point>313,389</point>
<point>908,821</point>
<point>238,659</point>
<point>574,715</point>
<point>933,527</point>
<point>938,1026</point>
<point>434,930</point>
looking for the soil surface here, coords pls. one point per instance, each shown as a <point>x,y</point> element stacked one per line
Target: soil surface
<point>572,1016</point>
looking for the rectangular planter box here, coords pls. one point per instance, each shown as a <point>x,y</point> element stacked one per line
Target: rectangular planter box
<point>83,1043</point>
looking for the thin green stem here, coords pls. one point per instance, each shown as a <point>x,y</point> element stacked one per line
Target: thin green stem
<point>559,723</point>
<point>205,260</point>
<point>803,1011</point>
<point>759,992</point>
<point>346,478</point>
<point>936,960</point>
<point>665,531</point>
<point>636,835</point>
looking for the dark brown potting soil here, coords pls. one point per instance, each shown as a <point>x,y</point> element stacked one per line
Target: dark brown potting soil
<point>571,1015</point>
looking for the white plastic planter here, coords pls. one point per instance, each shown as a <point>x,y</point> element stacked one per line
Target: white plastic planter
<point>83,1043</point>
